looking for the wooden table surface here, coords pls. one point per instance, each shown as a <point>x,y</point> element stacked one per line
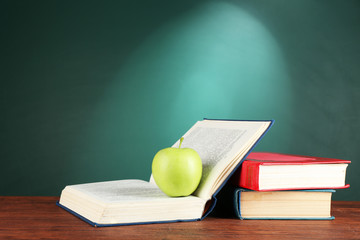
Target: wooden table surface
<point>40,218</point>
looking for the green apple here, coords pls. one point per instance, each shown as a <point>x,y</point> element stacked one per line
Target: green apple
<point>177,171</point>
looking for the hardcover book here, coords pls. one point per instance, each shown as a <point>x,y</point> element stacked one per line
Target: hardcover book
<point>291,204</point>
<point>221,144</point>
<point>264,171</point>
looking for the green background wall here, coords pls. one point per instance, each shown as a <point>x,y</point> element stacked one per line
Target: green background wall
<point>91,90</point>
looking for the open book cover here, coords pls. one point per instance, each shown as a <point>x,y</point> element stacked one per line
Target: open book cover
<point>222,146</point>
<point>266,171</point>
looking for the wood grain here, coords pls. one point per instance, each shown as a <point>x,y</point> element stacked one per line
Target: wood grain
<point>40,218</point>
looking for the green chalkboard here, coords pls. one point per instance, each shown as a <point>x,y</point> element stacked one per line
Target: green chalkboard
<point>91,90</point>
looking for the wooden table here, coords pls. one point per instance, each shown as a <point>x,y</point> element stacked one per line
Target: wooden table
<point>39,217</point>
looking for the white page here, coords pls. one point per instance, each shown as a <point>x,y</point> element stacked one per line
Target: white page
<point>212,144</point>
<point>121,191</point>
<point>128,201</point>
<point>218,143</point>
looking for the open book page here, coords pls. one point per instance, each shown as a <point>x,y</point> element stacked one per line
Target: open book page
<point>121,191</point>
<point>221,145</point>
<point>128,201</point>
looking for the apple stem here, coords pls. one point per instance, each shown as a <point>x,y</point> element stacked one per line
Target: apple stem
<point>181,140</point>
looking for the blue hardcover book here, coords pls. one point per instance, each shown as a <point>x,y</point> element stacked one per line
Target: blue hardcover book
<point>280,205</point>
<point>222,146</point>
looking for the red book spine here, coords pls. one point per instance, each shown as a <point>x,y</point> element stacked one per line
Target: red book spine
<point>249,176</point>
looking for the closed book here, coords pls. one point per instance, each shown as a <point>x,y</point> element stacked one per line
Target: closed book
<point>280,205</point>
<point>264,171</point>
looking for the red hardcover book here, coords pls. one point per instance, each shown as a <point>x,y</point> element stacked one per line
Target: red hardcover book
<point>265,171</point>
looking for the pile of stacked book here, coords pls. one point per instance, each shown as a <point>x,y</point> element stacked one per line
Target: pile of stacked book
<point>268,185</point>
<point>283,186</point>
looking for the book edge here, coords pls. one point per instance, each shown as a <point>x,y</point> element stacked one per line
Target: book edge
<point>94,224</point>
<point>326,218</point>
<point>314,160</point>
<point>238,207</point>
<point>309,188</point>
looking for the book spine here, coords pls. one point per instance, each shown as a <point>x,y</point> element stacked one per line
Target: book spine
<point>249,176</point>
<point>236,195</point>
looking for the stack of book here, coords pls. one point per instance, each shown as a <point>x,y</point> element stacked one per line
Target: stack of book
<point>283,186</point>
<point>222,146</point>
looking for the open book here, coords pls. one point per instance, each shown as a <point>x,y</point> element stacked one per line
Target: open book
<point>221,144</point>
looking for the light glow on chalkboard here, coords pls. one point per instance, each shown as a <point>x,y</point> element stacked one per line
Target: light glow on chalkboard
<point>215,61</point>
